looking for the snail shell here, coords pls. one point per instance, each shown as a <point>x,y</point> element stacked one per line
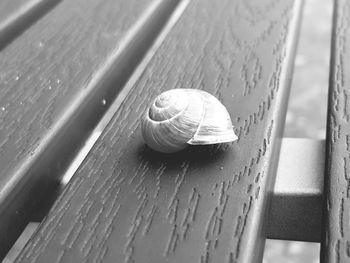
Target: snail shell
<point>180,117</point>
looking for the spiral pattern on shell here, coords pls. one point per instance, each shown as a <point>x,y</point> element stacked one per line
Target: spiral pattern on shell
<point>180,117</point>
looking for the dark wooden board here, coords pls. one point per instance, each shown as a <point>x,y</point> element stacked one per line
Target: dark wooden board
<point>128,203</point>
<point>335,245</point>
<point>57,78</point>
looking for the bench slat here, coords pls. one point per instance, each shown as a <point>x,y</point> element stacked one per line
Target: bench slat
<point>128,203</point>
<point>335,245</point>
<point>57,80</point>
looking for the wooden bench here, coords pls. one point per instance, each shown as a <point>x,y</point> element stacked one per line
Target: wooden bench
<point>76,77</point>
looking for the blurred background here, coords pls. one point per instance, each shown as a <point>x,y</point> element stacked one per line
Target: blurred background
<point>306,116</point>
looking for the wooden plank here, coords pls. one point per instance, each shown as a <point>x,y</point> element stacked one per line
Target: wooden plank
<point>127,203</point>
<point>57,80</point>
<point>335,245</point>
<point>17,15</point>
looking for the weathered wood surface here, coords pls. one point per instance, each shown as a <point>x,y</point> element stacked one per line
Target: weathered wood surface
<point>127,203</point>
<point>335,245</point>
<point>57,79</point>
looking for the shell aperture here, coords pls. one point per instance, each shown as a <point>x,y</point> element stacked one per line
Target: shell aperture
<point>180,117</point>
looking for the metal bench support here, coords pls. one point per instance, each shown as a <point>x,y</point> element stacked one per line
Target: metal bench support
<point>296,208</point>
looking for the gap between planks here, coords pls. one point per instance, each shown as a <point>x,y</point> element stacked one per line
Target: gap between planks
<point>26,15</point>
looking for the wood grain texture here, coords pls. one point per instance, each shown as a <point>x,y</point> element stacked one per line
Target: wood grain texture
<point>128,203</point>
<point>335,246</point>
<point>55,85</point>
